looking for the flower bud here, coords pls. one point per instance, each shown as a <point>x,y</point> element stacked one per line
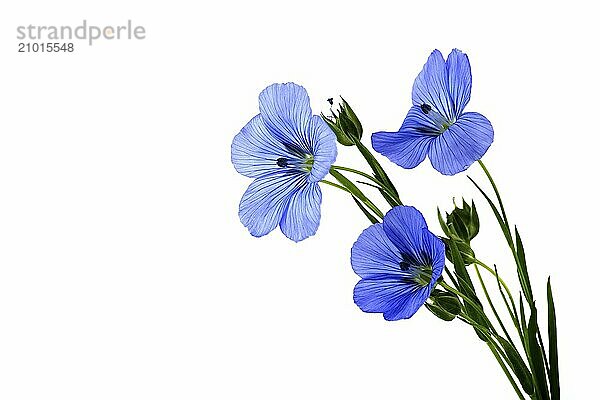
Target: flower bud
<point>444,305</point>
<point>345,124</point>
<point>463,223</point>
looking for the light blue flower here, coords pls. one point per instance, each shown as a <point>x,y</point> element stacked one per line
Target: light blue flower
<point>399,262</point>
<point>436,124</point>
<point>287,151</point>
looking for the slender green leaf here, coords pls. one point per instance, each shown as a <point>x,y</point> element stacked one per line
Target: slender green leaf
<point>517,365</point>
<point>376,167</point>
<point>352,188</point>
<point>497,353</point>
<point>390,200</point>
<point>466,287</point>
<point>443,223</point>
<point>451,276</point>
<point>370,216</point>
<point>505,228</point>
<point>554,381</point>
<point>524,325</point>
<point>536,359</point>
<point>489,176</point>
<point>522,267</point>
<point>491,304</point>
<point>512,310</point>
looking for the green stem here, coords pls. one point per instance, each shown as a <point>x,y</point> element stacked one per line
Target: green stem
<point>380,185</point>
<point>379,172</point>
<point>372,219</point>
<point>489,176</point>
<point>355,191</point>
<point>512,311</point>
<point>355,171</point>
<point>491,271</point>
<point>503,221</point>
<point>449,273</point>
<point>335,185</point>
<point>506,371</point>
<point>491,304</point>
<point>496,350</point>
<point>518,254</point>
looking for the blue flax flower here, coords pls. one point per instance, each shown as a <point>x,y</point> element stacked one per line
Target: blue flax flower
<point>436,124</point>
<point>287,151</point>
<point>399,262</point>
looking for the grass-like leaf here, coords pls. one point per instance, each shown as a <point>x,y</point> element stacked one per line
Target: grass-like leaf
<point>536,358</point>
<point>554,382</point>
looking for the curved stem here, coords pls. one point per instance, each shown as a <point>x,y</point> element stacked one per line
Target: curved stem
<point>495,348</point>
<point>491,304</point>
<point>380,185</point>
<point>506,371</point>
<point>379,172</point>
<point>335,185</point>
<point>355,191</point>
<point>355,171</point>
<point>493,272</point>
<point>489,176</point>
<point>372,219</point>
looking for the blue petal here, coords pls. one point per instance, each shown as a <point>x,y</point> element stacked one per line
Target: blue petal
<point>266,199</point>
<point>465,142</point>
<point>303,213</point>
<point>431,86</point>
<point>408,147</point>
<point>459,80</point>
<point>394,298</point>
<point>254,151</point>
<point>373,254</point>
<point>404,226</point>
<point>324,148</point>
<point>409,306</point>
<point>285,108</point>
<point>436,250</point>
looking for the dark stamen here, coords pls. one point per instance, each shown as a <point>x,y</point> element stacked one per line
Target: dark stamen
<point>404,266</point>
<point>330,100</point>
<point>425,108</point>
<point>282,162</point>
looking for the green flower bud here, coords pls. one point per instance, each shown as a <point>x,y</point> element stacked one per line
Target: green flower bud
<point>444,305</point>
<point>463,223</point>
<point>345,124</point>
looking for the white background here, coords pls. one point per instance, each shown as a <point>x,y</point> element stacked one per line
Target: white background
<point>124,270</point>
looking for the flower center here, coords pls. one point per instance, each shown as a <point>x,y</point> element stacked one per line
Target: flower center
<point>304,164</point>
<point>420,274</point>
<point>440,121</point>
<point>308,163</point>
